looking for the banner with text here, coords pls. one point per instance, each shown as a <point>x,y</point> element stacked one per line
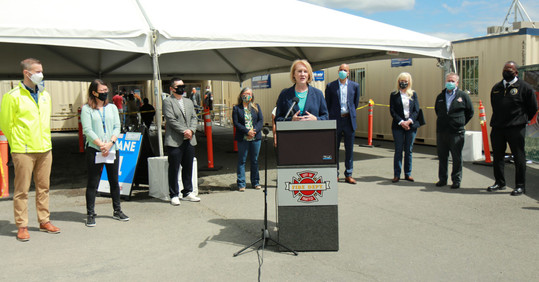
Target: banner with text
<point>319,75</point>
<point>261,81</point>
<point>401,62</point>
<point>129,146</point>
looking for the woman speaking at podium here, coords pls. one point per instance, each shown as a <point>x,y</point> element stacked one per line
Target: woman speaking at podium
<point>301,101</point>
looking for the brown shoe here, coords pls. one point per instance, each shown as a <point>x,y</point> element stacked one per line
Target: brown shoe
<point>395,179</point>
<point>23,235</point>
<point>409,178</point>
<point>350,180</point>
<point>49,228</point>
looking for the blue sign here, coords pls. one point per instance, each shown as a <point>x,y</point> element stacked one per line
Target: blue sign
<point>261,81</point>
<point>401,62</point>
<point>129,146</point>
<point>319,75</point>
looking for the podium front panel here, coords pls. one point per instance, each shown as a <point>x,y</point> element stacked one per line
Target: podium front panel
<point>306,143</point>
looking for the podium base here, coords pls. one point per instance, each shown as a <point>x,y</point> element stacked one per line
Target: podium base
<point>312,228</point>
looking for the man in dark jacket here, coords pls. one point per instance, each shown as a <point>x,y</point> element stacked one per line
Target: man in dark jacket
<point>454,110</point>
<point>513,105</point>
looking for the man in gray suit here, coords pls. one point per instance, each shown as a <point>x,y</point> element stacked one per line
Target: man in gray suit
<point>180,141</point>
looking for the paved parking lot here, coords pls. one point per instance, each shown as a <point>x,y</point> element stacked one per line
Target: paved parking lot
<point>387,231</point>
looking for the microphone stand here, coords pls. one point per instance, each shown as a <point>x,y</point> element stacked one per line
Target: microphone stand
<point>265,233</point>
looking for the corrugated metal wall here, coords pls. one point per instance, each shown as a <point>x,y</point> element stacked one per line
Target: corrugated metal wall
<point>493,53</point>
<point>67,97</point>
<point>428,81</point>
<point>380,81</point>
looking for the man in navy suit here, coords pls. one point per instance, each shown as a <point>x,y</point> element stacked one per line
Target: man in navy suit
<point>342,99</point>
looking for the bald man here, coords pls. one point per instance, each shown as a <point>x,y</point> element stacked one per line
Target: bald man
<point>342,99</point>
<point>513,105</point>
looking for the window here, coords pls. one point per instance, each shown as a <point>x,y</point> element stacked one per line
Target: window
<point>468,70</point>
<point>358,75</point>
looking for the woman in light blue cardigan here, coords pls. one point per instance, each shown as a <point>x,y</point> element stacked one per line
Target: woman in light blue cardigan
<point>101,126</point>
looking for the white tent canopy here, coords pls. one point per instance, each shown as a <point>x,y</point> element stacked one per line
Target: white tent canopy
<point>203,39</point>
<point>228,40</point>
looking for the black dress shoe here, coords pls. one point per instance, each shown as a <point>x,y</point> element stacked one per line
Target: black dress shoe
<point>441,183</point>
<point>518,191</point>
<point>455,186</point>
<point>495,187</point>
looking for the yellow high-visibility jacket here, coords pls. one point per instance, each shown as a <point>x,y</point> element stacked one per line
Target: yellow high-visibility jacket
<point>27,125</point>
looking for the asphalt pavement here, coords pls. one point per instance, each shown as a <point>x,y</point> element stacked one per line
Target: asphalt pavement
<point>405,231</point>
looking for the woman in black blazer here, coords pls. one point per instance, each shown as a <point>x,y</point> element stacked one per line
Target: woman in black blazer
<point>404,108</point>
<point>248,120</point>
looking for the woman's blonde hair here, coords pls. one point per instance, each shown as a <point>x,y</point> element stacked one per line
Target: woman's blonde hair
<point>306,64</point>
<point>409,91</point>
<point>252,103</point>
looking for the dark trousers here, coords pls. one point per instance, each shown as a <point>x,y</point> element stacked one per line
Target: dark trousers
<point>344,127</point>
<point>94,176</point>
<point>183,156</point>
<point>447,142</point>
<point>515,137</point>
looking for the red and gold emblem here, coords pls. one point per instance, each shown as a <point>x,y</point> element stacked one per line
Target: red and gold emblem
<point>307,188</point>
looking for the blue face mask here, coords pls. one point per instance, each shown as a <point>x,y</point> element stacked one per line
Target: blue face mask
<point>450,85</point>
<point>342,74</point>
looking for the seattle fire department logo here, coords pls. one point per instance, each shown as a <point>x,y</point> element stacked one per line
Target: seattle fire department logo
<point>307,188</point>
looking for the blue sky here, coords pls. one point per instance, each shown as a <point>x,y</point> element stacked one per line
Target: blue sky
<point>451,20</point>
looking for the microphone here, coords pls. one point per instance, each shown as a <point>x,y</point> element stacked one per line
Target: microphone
<point>295,100</point>
<point>265,130</point>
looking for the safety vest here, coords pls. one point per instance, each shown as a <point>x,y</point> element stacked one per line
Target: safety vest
<point>26,124</point>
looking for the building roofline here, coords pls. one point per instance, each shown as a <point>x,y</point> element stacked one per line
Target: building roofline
<point>522,31</point>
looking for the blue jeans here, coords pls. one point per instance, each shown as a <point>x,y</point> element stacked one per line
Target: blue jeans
<point>252,148</point>
<point>404,141</point>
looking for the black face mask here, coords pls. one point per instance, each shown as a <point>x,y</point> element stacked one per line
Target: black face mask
<point>508,76</point>
<point>102,96</point>
<point>179,90</point>
<point>403,84</point>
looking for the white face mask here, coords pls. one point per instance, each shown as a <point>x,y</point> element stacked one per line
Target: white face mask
<point>36,78</point>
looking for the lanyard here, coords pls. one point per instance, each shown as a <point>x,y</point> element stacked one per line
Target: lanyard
<point>103,120</point>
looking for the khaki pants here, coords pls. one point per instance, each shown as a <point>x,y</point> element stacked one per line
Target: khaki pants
<point>40,165</point>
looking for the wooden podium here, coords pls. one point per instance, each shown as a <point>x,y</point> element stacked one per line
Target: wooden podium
<point>307,185</point>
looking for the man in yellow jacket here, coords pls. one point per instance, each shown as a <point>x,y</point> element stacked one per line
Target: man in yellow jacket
<point>25,120</point>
